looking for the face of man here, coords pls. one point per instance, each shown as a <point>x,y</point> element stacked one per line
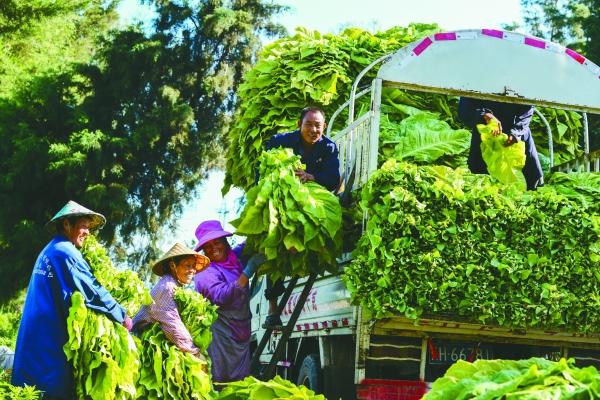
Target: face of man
<point>216,250</point>
<point>77,231</point>
<point>312,127</point>
<point>184,270</point>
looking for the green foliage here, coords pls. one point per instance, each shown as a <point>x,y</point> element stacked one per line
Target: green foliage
<point>123,284</point>
<point>423,138</point>
<point>128,124</point>
<point>276,388</point>
<point>304,69</point>
<point>282,213</point>
<point>535,378</point>
<point>197,314</point>
<point>10,392</point>
<point>10,317</point>
<point>447,242</point>
<point>169,373</point>
<point>104,356</point>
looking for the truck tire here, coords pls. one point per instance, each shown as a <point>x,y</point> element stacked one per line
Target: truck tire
<point>310,373</point>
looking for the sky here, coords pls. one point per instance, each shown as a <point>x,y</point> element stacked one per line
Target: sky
<point>331,16</point>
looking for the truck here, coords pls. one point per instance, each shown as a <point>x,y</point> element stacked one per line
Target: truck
<point>337,348</point>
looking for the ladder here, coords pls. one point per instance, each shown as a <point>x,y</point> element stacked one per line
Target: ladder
<point>269,371</point>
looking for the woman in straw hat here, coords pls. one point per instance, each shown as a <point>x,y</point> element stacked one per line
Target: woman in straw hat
<point>225,283</point>
<point>176,267</point>
<point>59,271</point>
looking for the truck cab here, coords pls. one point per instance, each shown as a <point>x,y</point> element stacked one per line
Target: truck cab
<point>337,348</point>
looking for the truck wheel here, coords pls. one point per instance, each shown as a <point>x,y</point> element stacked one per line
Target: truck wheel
<point>310,373</point>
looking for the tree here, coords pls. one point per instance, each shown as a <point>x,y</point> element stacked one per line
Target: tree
<point>131,133</point>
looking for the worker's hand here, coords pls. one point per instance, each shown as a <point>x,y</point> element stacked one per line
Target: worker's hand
<point>487,117</point>
<point>242,280</point>
<point>293,250</point>
<point>511,140</point>
<point>128,323</point>
<point>304,176</point>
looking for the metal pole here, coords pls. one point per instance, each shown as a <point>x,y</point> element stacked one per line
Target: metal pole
<point>549,133</point>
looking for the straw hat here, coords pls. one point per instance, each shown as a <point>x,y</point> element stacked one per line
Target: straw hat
<point>72,209</point>
<point>179,250</point>
<point>209,230</point>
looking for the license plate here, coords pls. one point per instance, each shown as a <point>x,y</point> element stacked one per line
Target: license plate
<point>449,353</point>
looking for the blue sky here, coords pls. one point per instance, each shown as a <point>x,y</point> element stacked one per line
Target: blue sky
<point>330,16</point>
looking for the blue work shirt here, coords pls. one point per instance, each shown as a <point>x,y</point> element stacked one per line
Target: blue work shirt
<point>322,161</point>
<point>39,357</point>
<point>515,119</point>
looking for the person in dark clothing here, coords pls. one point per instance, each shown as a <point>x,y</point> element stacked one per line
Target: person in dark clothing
<point>513,120</point>
<point>320,155</point>
<point>317,152</point>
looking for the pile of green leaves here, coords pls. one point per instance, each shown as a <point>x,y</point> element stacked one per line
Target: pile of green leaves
<point>123,284</point>
<point>283,214</point>
<point>422,138</point>
<point>307,68</point>
<point>503,162</point>
<point>443,241</point>
<point>583,187</point>
<point>169,373</point>
<point>197,314</point>
<point>104,356</point>
<point>10,392</point>
<point>536,378</point>
<point>276,388</point>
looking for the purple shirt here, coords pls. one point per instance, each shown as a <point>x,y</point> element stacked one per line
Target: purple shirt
<point>164,311</point>
<point>218,283</point>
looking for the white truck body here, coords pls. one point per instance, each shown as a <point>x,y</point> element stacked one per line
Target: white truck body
<point>355,356</point>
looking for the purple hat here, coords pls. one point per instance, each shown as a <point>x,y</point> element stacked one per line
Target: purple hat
<point>209,230</point>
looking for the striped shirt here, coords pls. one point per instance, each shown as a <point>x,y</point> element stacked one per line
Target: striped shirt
<point>164,311</point>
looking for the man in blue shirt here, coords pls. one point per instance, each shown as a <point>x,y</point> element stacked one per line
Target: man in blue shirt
<point>320,155</point>
<point>317,152</point>
<point>59,271</point>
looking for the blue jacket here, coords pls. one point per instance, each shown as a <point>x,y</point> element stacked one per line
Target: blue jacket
<point>39,358</point>
<point>515,119</point>
<point>322,162</point>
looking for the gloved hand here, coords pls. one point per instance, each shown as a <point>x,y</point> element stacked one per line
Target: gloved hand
<point>127,323</point>
<point>253,263</point>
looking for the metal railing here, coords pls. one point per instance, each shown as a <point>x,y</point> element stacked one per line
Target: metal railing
<point>354,147</point>
<point>586,163</point>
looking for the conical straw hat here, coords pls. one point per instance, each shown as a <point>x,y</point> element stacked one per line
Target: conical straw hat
<point>159,267</point>
<point>72,209</point>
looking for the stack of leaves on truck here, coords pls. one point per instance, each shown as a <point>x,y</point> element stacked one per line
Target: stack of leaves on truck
<point>444,241</point>
<point>309,68</point>
<point>304,69</point>
<point>536,378</point>
<point>295,225</point>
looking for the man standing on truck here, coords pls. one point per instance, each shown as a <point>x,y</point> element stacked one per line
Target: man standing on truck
<point>514,120</point>
<point>320,155</point>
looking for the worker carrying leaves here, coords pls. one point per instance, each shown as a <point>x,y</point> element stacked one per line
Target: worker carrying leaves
<point>513,119</point>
